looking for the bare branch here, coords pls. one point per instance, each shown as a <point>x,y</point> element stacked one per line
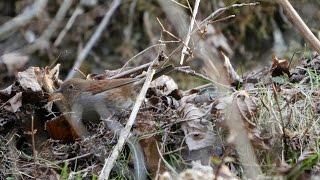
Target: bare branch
<point>221,10</point>
<point>23,18</point>
<point>115,4</point>
<point>299,24</point>
<point>194,14</point>
<point>125,132</point>
<point>69,24</point>
<point>43,40</point>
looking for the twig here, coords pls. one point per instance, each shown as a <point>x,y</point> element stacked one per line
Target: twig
<point>34,151</point>
<point>74,158</point>
<point>164,139</point>
<point>187,92</point>
<point>115,4</point>
<point>221,10</point>
<point>169,33</point>
<point>128,29</point>
<point>179,4</point>
<point>299,24</point>
<point>184,49</point>
<point>140,54</point>
<point>131,71</point>
<point>80,72</point>
<point>23,18</point>
<point>283,126</point>
<point>222,19</point>
<point>69,24</point>
<point>125,132</point>
<point>43,40</point>
<point>191,72</point>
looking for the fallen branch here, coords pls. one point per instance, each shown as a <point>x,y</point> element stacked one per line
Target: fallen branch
<point>43,40</point>
<point>23,18</point>
<point>69,24</point>
<point>107,16</point>
<point>300,25</point>
<point>193,18</point>
<point>125,132</point>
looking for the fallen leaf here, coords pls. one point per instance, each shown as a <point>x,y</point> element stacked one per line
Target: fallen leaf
<point>14,103</point>
<point>232,76</point>
<point>279,67</point>
<point>14,62</point>
<point>163,85</point>
<point>152,156</point>
<point>7,91</point>
<point>50,78</point>
<point>59,129</point>
<point>198,131</point>
<point>30,78</point>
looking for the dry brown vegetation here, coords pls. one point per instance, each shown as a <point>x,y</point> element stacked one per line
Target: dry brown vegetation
<point>205,119</point>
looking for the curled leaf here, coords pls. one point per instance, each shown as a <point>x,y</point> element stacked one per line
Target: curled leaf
<point>30,78</point>
<point>279,67</point>
<point>14,103</point>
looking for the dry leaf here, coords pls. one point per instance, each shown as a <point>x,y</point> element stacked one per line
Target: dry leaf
<point>30,78</point>
<point>200,172</point>
<point>15,103</point>
<point>247,105</point>
<point>163,85</point>
<point>50,78</point>
<point>152,156</point>
<point>279,67</point>
<point>58,128</point>
<point>232,76</point>
<point>14,62</point>
<point>198,131</point>
<point>7,91</point>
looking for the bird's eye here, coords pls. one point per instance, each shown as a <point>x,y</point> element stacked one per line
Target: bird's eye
<point>70,87</point>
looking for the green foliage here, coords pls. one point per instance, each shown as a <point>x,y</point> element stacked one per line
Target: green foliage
<point>301,167</point>
<point>64,172</point>
<point>314,78</point>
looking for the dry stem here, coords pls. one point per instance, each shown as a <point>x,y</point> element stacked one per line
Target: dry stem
<point>107,16</point>
<point>184,49</point>
<point>125,132</point>
<point>69,24</point>
<point>43,41</point>
<point>299,24</point>
<point>23,18</point>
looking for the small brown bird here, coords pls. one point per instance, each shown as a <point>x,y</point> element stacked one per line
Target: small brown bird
<point>94,100</point>
<point>91,100</point>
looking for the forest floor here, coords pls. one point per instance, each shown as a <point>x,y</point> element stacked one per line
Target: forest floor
<point>205,119</point>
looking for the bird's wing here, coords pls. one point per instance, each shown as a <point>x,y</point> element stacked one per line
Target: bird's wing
<point>106,85</point>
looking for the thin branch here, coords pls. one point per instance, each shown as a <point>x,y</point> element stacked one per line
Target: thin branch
<point>155,45</point>
<point>23,18</point>
<point>125,132</point>
<point>69,24</point>
<point>221,10</point>
<point>187,70</point>
<point>131,71</point>
<point>300,25</point>
<point>179,4</point>
<point>34,151</point>
<point>43,40</point>
<point>105,21</point>
<point>168,32</point>
<point>128,29</point>
<point>194,14</point>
